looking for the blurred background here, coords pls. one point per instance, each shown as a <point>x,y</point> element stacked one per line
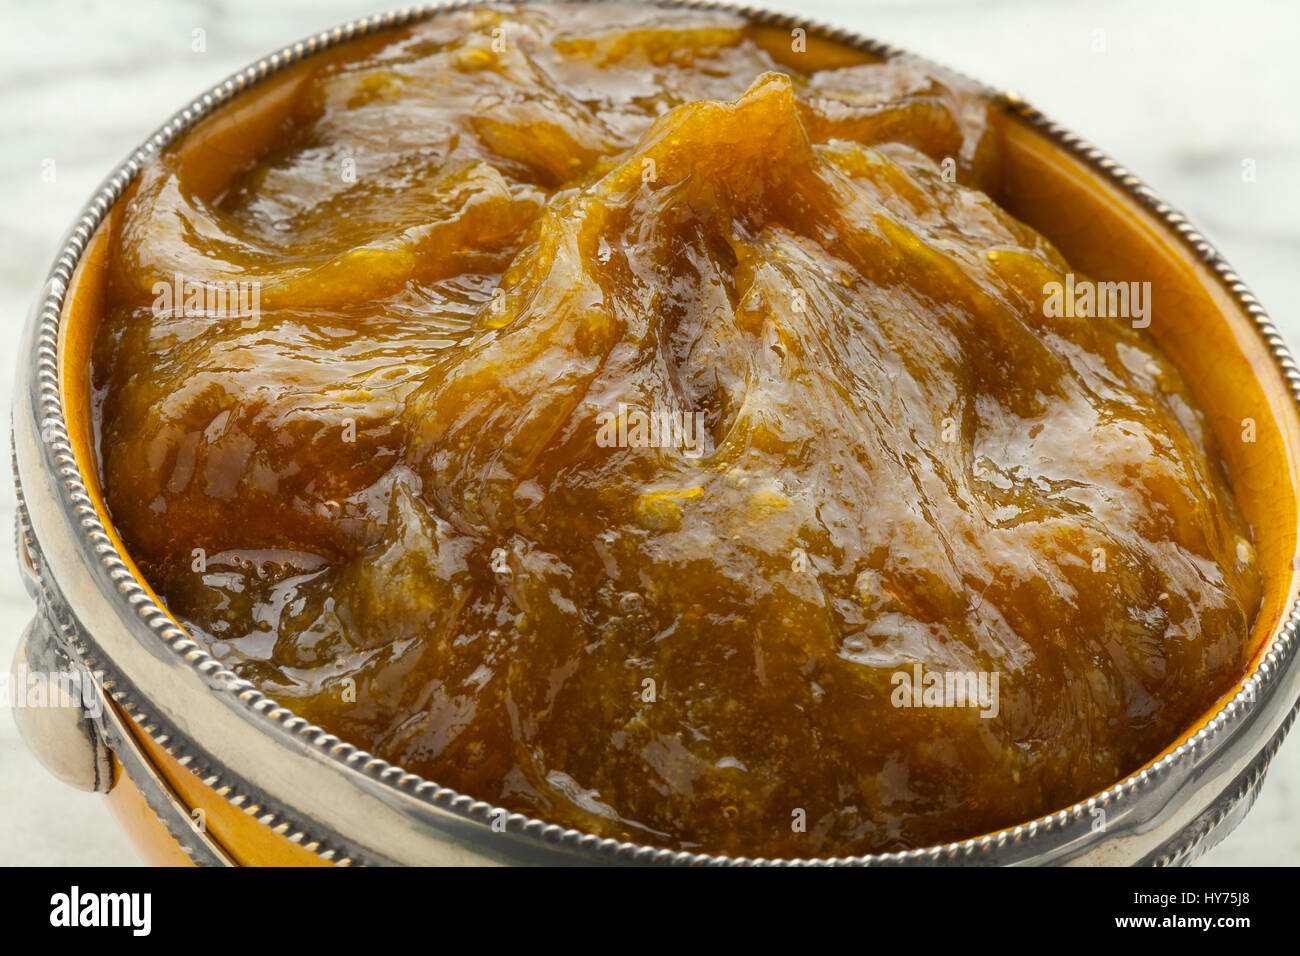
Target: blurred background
<point>1183,93</point>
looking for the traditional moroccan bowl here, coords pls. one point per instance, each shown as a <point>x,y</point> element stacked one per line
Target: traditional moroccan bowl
<point>201,767</point>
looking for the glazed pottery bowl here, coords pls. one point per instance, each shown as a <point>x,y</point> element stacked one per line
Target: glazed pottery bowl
<point>201,767</point>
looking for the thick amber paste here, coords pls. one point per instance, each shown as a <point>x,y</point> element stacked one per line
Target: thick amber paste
<point>649,423</point>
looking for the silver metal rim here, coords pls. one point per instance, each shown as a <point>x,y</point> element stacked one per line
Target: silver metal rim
<point>1265,704</point>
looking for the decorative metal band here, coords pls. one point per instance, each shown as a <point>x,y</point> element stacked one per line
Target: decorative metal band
<point>1196,840</point>
<point>338,847</point>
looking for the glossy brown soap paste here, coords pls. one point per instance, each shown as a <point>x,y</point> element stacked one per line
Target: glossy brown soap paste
<point>628,414</point>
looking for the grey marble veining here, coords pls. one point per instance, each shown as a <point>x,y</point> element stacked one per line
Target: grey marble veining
<point>1182,92</point>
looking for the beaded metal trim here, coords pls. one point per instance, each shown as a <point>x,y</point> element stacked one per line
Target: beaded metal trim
<point>338,848</point>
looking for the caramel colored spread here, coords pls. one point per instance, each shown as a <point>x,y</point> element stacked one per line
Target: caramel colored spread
<point>649,423</point>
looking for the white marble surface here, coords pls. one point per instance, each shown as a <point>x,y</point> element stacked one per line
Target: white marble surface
<point>1182,92</point>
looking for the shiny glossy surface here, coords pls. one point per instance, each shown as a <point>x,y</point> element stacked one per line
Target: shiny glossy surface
<point>392,499</point>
